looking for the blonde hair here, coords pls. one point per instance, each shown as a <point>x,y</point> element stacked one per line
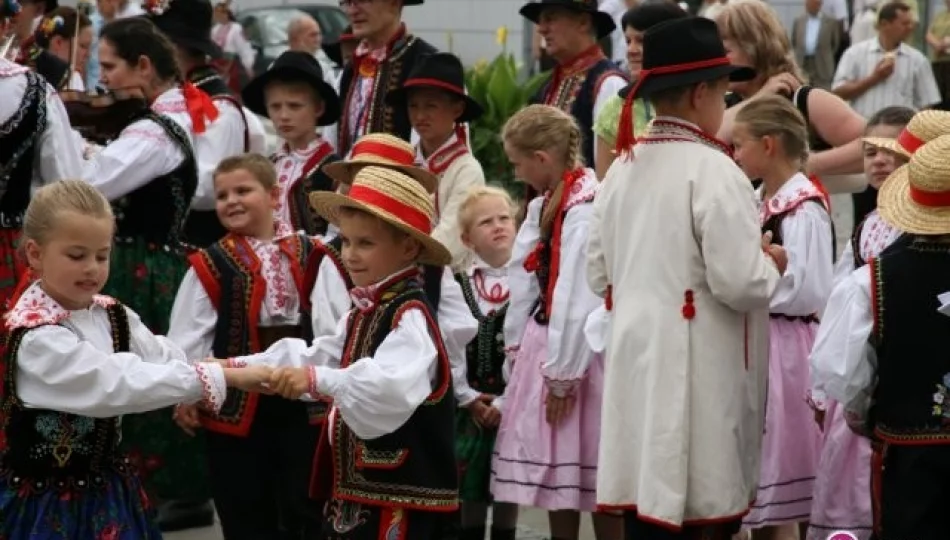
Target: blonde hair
<point>775,116</point>
<point>50,201</point>
<point>542,128</point>
<point>466,210</point>
<point>757,30</point>
<point>256,165</point>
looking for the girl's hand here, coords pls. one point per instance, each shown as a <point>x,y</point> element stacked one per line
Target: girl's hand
<point>558,408</point>
<point>783,84</point>
<point>491,417</point>
<point>186,416</point>
<point>290,383</point>
<point>250,378</point>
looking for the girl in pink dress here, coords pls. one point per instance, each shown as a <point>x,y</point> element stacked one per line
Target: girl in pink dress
<point>547,443</point>
<point>771,143</point>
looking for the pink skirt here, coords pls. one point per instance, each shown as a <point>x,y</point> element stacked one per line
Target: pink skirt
<point>535,464</point>
<point>791,445</point>
<point>843,488</point>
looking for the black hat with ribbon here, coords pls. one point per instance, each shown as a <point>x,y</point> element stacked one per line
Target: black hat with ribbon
<point>293,66</point>
<point>334,50</point>
<point>603,22</point>
<point>442,71</point>
<point>186,23</point>
<point>677,53</point>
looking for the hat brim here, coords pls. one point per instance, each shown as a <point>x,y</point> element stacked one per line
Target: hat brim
<point>656,83</point>
<point>399,97</point>
<point>890,145</point>
<point>897,209</point>
<point>345,171</point>
<point>603,22</point>
<point>181,37</point>
<point>253,93</point>
<point>328,204</point>
<point>334,52</point>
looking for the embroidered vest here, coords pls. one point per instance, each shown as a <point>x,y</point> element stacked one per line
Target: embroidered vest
<point>43,449</point>
<point>485,355</point>
<point>381,118</point>
<point>413,467</point>
<point>774,222</point>
<point>313,179</point>
<point>911,403</point>
<point>156,211</point>
<point>20,135</point>
<point>230,272</point>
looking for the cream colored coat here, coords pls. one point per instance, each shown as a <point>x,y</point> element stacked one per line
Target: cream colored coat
<point>683,399</point>
<point>460,177</point>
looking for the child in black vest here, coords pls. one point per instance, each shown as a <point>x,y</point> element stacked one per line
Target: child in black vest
<point>387,458</point>
<point>242,294</point>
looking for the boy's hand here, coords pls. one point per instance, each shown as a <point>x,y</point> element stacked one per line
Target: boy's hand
<point>482,411</point>
<point>250,378</point>
<point>186,416</point>
<point>558,408</point>
<point>290,383</point>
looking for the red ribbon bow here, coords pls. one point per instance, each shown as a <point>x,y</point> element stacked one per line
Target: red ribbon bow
<point>200,106</point>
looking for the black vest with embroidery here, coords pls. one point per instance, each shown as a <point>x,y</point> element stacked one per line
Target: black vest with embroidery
<point>239,288</point>
<point>774,224</point>
<point>19,142</point>
<point>484,355</point>
<point>381,118</point>
<point>47,449</point>
<point>414,466</point>
<point>156,211</point>
<point>581,104</point>
<point>302,216</point>
<point>911,403</point>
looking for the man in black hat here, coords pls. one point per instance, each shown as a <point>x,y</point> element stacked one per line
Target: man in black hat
<point>687,348</point>
<point>381,63</point>
<point>584,78</point>
<point>187,24</point>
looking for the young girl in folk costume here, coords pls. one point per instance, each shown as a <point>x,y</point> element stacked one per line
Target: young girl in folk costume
<point>149,173</point>
<point>261,261</point>
<point>293,94</point>
<point>546,449</point>
<point>434,95</point>
<point>73,362</point>
<point>56,33</point>
<point>842,497</point>
<point>486,220</point>
<point>229,35</point>
<point>771,143</point>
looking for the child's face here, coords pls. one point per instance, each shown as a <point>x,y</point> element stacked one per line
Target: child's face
<point>244,205</point>
<point>491,233</point>
<point>538,169</point>
<point>372,250</point>
<point>433,112</point>
<point>878,162</point>
<point>74,262</point>
<point>294,108</point>
<point>753,154</point>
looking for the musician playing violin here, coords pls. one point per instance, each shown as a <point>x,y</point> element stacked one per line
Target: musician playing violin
<point>36,148</point>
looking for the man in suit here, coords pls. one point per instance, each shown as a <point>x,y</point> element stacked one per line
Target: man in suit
<point>815,39</point>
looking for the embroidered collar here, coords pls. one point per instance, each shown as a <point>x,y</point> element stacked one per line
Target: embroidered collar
<point>309,150</point>
<point>583,189</point>
<point>171,101</point>
<point>281,231</point>
<point>363,51</point>
<point>366,298</point>
<point>792,193</point>
<point>35,308</point>
<point>10,69</point>
<point>442,159</point>
<point>580,63</point>
<point>669,129</point>
<point>479,265</point>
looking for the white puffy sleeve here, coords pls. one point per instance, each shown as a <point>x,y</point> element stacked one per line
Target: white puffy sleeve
<point>523,286</point>
<point>329,299</point>
<point>804,287</point>
<point>597,277</point>
<point>458,328</point>
<point>845,264</point>
<point>59,371</point>
<point>223,138</point>
<point>193,319</point>
<point>60,154</point>
<point>295,352</point>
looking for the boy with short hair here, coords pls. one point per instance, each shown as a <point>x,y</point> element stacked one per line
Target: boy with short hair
<point>675,247</point>
<point>293,94</point>
<point>387,459</point>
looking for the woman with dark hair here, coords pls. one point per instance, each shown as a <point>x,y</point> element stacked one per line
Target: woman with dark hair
<point>149,174</point>
<point>57,34</point>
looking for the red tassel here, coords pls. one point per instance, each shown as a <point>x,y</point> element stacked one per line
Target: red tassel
<point>688,310</point>
<point>625,137</point>
<point>200,106</point>
<point>609,298</point>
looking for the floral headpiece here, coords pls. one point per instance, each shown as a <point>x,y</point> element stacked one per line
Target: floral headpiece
<point>9,8</point>
<point>50,25</point>
<point>156,7</point>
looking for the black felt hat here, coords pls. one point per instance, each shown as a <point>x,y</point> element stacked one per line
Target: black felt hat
<point>682,52</point>
<point>443,71</point>
<point>187,23</point>
<point>49,5</point>
<point>602,21</point>
<point>334,50</point>
<point>293,66</point>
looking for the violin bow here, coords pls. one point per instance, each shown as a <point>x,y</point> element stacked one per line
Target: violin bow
<point>83,7</point>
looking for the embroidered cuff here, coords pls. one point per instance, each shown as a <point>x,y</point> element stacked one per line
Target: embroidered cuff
<point>213,386</point>
<point>236,362</point>
<point>562,387</point>
<point>312,382</point>
<point>816,399</point>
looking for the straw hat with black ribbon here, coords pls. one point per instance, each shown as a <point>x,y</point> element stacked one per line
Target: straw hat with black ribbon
<point>382,150</point>
<point>393,197</point>
<point>925,126</point>
<point>916,197</point>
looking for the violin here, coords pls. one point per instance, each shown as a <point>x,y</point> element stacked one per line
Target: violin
<point>99,118</point>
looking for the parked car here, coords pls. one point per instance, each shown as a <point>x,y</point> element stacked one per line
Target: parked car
<point>266,28</point>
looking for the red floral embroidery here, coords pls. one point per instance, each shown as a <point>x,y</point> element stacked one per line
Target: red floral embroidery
<point>110,532</point>
<point>689,310</point>
<point>141,271</point>
<point>533,259</point>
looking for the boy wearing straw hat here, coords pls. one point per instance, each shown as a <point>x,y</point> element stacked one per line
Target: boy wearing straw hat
<point>387,459</point>
<point>892,304</point>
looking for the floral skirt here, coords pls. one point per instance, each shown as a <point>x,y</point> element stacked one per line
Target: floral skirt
<point>173,465</point>
<point>12,266</point>
<point>473,447</point>
<point>116,510</point>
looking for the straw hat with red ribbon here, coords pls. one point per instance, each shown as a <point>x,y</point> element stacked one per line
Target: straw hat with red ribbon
<point>916,197</point>
<point>393,197</point>
<point>925,126</point>
<point>383,150</point>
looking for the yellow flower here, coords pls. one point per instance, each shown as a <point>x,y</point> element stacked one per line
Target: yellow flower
<point>501,35</point>
<point>481,65</point>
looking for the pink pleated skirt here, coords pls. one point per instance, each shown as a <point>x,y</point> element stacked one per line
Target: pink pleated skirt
<point>842,499</point>
<point>534,463</point>
<point>791,446</point>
